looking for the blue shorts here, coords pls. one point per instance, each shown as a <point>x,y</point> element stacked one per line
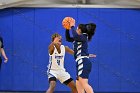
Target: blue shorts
<point>83,67</point>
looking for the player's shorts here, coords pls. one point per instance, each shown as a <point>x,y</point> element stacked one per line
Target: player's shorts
<point>61,75</point>
<point>83,67</point>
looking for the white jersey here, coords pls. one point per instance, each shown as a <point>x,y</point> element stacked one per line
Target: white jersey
<point>56,60</point>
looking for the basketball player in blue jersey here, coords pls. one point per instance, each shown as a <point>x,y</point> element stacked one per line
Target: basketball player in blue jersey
<point>56,70</point>
<point>81,36</point>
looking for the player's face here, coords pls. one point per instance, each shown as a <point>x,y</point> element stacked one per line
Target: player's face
<point>78,31</point>
<point>58,40</point>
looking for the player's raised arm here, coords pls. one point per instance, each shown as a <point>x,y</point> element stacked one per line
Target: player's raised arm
<point>66,23</point>
<point>51,48</point>
<point>67,35</point>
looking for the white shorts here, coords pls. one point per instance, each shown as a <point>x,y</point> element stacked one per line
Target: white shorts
<point>61,75</point>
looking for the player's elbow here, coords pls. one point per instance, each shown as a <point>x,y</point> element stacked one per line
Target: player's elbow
<point>68,39</point>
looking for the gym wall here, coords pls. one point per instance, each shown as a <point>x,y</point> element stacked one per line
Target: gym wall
<point>27,34</point>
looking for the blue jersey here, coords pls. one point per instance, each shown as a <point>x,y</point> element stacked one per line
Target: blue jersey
<point>80,43</point>
<point>80,48</point>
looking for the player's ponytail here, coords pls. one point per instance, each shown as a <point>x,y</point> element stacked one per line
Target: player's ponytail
<point>89,29</point>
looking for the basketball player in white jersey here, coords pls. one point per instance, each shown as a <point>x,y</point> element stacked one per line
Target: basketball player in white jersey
<point>56,70</point>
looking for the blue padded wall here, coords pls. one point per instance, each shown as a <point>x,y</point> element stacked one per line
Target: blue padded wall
<point>27,34</point>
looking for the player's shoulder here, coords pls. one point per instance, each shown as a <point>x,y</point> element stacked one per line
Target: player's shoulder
<point>66,47</point>
<point>63,46</point>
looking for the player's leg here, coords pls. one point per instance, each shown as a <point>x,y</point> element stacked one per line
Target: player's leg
<point>65,78</point>
<point>85,85</point>
<point>52,82</point>
<point>84,69</point>
<point>70,83</point>
<point>79,69</point>
<point>52,77</point>
<point>79,87</point>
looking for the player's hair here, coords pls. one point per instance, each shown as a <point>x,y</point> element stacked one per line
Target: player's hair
<point>54,36</point>
<point>88,29</point>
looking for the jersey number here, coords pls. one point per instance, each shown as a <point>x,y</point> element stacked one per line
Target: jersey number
<point>58,62</point>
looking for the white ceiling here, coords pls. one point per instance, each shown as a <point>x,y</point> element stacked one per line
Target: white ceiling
<point>70,3</point>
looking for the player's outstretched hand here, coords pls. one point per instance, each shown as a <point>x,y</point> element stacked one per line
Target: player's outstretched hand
<point>72,22</point>
<point>92,55</point>
<point>6,60</point>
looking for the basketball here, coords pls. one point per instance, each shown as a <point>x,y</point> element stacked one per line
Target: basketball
<point>67,21</point>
